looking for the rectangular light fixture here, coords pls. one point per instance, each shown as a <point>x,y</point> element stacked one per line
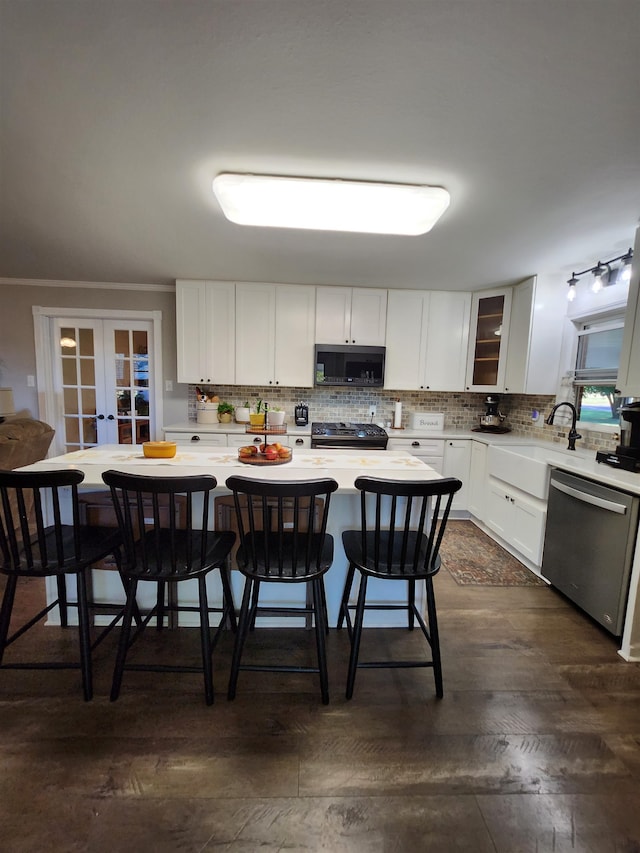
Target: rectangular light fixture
<point>329,204</point>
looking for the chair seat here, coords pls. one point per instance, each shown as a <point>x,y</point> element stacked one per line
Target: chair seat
<point>179,554</point>
<point>282,559</point>
<point>390,564</point>
<point>95,543</point>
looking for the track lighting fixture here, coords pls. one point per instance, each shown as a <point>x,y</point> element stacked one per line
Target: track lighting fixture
<point>603,274</point>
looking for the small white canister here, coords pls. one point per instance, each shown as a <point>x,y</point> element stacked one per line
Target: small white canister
<point>207,413</point>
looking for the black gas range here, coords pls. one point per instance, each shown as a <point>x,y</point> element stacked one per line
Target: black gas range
<point>349,436</point>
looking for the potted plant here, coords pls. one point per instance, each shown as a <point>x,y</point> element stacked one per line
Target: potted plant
<point>275,416</point>
<point>225,412</point>
<point>242,413</point>
<point>257,417</point>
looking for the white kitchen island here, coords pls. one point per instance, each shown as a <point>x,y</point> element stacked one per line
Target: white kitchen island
<point>342,465</point>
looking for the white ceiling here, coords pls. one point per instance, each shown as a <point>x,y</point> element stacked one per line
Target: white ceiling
<point>117,114</point>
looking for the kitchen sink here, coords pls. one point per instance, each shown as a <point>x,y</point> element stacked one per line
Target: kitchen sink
<point>527,466</point>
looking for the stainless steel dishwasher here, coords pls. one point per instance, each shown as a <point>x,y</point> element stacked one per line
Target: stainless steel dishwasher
<point>588,547</point>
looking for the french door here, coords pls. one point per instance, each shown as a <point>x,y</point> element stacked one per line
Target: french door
<point>103,386</point>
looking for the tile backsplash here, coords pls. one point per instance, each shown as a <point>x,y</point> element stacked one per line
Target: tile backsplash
<point>461,409</point>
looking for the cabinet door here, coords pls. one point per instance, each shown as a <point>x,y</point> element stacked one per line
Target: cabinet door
<point>499,515</point>
<point>406,339</point>
<point>528,529</point>
<point>457,463</point>
<point>333,315</point>
<point>368,316</point>
<point>489,340</point>
<point>255,333</point>
<point>447,341</point>
<point>629,372</point>
<point>294,335</point>
<point>205,332</point>
<point>478,480</point>
<point>519,338</point>
<point>194,360</point>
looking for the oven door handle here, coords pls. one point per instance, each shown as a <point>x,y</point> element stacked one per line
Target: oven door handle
<point>587,498</point>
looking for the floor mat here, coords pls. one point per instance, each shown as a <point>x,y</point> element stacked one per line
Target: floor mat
<point>471,557</point>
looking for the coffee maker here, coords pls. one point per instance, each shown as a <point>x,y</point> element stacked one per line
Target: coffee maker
<point>627,455</point>
<point>492,418</point>
<point>301,414</point>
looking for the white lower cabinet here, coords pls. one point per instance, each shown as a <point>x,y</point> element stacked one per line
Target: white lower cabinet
<point>517,518</point>
<point>457,463</point>
<point>430,450</point>
<point>478,480</point>
<point>187,437</point>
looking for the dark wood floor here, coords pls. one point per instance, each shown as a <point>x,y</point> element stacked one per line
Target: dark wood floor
<point>535,746</point>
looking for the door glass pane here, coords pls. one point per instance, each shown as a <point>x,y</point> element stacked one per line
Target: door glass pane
<point>88,401</point>
<point>85,336</point>
<point>121,342</point>
<point>87,371</point>
<point>69,371</point>
<point>71,432</point>
<point>70,397</point>
<point>68,341</point>
<point>488,339</point>
<point>89,431</point>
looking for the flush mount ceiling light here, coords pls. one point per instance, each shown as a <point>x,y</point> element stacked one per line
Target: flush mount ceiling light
<point>328,204</point>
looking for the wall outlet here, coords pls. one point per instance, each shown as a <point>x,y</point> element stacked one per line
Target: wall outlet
<point>372,411</point>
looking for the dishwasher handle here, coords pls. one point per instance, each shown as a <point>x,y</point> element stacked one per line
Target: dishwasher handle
<point>588,498</point>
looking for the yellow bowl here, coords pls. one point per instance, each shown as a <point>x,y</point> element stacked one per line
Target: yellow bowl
<point>159,449</point>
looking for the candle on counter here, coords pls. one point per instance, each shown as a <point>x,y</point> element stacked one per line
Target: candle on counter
<point>397,415</point>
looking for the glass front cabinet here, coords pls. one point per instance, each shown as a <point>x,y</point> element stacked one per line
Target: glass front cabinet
<point>490,313</point>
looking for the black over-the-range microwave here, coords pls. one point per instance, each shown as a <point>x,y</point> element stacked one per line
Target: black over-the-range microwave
<point>339,364</point>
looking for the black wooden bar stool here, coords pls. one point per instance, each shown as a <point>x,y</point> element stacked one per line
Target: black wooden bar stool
<point>164,522</point>
<point>37,541</point>
<point>283,539</point>
<point>402,525</point>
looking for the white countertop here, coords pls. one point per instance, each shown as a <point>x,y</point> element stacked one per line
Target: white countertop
<point>342,465</point>
<point>580,462</point>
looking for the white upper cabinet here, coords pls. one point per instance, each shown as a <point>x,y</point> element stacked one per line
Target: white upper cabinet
<point>629,370</point>
<point>489,339</point>
<point>447,341</point>
<point>275,326</point>
<point>538,309</point>
<point>205,332</point>
<point>351,315</point>
<point>427,338</point>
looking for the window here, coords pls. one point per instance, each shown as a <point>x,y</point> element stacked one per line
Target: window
<point>596,373</point>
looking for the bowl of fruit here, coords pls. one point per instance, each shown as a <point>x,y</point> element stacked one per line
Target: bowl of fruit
<point>264,454</point>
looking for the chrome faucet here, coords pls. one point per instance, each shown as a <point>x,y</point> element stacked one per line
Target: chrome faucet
<point>573,435</point>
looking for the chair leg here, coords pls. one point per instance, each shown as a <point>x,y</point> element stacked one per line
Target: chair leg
<point>411,602</point>
<point>123,644</point>
<point>84,635</point>
<point>254,603</point>
<point>5,612</point>
<point>434,636</point>
<point>160,606</point>
<point>227,597</point>
<point>345,595</point>
<point>356,636</point>
<point>325,612</point>
<point>244,624</point>
<point>205,640</point>
<point>321,627</point>
<point>61,582</point>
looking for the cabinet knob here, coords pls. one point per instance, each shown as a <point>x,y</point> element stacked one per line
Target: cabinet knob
<point>100,417</point>
<point>195,438</point>
<point>257,440</point>
<point>415,444</point>
<point>111,417</point>
<point>299,441</point>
